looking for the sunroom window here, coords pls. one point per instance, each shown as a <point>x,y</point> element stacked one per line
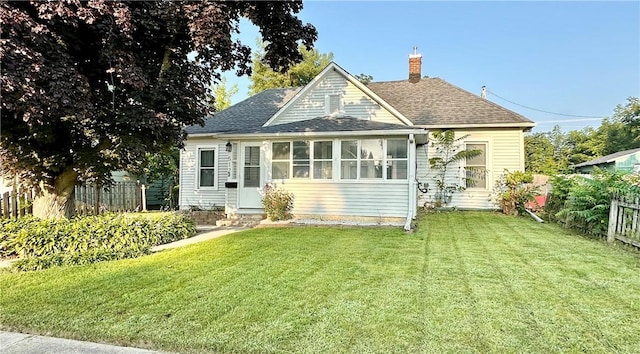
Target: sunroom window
<point>373,159</point>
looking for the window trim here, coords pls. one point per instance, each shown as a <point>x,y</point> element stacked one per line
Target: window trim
<point>487,144</point>
<point>216,166</point>
<point>312,160</point>
<point>385,161</point>
<point>327,104</point>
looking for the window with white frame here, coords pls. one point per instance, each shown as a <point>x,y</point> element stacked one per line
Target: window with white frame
<point>301,159</point>
<point>233,162</point>
<point>373,159</point>
<point>206,167</point>
<point>397,159</point>
<point>476,167</point>
<point>322,159</point>
<point>280,160</point>
<point>333,104</point>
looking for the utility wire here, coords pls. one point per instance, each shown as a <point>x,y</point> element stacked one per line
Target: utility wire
<point>540,110</point>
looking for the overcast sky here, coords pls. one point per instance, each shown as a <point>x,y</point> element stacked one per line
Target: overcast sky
<point>574,58</point>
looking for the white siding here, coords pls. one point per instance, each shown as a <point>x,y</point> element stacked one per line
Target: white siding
<point>190,194</point>
<point>355,103</point>
<point>505,150</point>
<point>366,199</point>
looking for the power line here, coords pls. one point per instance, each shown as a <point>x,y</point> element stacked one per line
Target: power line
<point>543,111</point>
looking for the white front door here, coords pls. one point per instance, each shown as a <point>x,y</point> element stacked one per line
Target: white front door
<point>251,180</point>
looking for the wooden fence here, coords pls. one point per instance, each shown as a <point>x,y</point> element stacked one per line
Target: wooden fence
<point>624,220</point>
<point>16,203</point>
<point>122,196</point>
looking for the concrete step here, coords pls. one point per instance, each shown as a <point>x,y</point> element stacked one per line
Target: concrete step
<point>246,220</point>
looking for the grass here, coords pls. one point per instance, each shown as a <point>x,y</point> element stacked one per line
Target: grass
<point>464,282</point>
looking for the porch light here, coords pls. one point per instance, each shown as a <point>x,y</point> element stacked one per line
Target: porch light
<point>228,147</point>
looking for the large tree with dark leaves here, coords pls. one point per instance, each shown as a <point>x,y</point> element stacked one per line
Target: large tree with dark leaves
<point>90,87</point>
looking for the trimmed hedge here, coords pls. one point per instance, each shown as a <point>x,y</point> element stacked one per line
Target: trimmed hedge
<point>42,243</point>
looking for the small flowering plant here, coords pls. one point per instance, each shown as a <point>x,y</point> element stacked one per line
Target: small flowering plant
<point>277,202</point>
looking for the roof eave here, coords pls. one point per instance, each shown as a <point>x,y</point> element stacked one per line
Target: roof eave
<point>476,125</point>
<point>323,134</point>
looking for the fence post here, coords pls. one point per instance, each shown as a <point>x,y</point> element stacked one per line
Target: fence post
<point>144,197</point>
<point>613,220</point>
<point>5,204</point>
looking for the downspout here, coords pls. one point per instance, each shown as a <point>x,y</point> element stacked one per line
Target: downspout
<point>411,183</point>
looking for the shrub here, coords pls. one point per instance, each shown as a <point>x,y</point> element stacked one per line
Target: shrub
<point>589,200</point>
<point>561,186</point>
<point>42,243</point>
<point>513,191</point>
<point>277,203</point>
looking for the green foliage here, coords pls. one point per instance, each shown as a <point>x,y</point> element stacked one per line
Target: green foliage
<point>556,151</point>
<point>41,243</point>
<point>92,87</point>
<point>561,186</point>
<point>448,151</point>
<point>514,190</point>
<point>264,77</point>
<point>222,95</point>
<point>589,199</point>
<point>277,203</point>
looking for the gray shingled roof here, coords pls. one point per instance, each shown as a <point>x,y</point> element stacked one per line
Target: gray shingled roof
<point>608,158</point>
<point>435,102</point>
<point>430,102</point>
<point>324,124</point>
<point>251,113</point>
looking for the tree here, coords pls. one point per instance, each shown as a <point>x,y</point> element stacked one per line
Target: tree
<point>448,152</point>
<point>539,154</point>
<point>92,87</point>
<point>622,131</point>
<point>223,95</point>
<point>264,77</point>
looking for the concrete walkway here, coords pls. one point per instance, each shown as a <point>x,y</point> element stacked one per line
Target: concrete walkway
<point>204,233</point>
<point>19,343</point>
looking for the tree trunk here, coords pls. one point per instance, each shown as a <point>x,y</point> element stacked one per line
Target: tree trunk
<point>57,201</point>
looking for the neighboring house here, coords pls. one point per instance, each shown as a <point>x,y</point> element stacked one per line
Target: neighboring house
<point>4,186</point>
<point>346,150</point>
<point>628,160</point>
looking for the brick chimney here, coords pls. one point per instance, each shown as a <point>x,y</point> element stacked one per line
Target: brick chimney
<point>415,66</point>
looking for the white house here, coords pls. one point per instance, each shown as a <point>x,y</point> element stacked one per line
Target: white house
<point>344,149</point>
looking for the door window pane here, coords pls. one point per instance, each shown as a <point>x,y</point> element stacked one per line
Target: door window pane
<point>251,166</point>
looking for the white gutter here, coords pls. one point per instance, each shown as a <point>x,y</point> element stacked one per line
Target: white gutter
<point>493,125</point>
<point>411,185</point>
<point>262,136</point>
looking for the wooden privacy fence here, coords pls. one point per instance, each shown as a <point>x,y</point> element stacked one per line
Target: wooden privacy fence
<point>121,196</point>
<point>16,203</point>
<point>624,220</point>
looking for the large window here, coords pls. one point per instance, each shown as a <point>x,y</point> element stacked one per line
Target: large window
<point>397,159</point>
<point>476,169</point>
<point>302,159</point>
<point>370,158</point>
<point>280,160</point>
<point>206,167</point>
<point>322,159</point>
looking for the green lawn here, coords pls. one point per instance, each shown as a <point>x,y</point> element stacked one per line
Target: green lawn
<point>464,282</point>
